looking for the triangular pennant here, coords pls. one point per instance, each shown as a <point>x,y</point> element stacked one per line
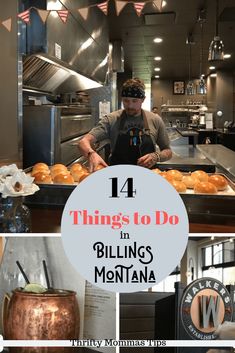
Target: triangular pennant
<point>63,14</point>
<point>103,7</point>
<point>139,7</point>
<point>84,12</point>
<point>7,24</point>
<point>158,4</point>
<point>43,14</point>
<point>119,6</point>
<point>25,16</point>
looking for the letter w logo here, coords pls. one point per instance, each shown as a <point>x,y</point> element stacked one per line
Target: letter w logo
<point>209,311</point>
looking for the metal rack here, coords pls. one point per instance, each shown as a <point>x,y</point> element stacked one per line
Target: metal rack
<point>179,115</point>
<point>180,108</point>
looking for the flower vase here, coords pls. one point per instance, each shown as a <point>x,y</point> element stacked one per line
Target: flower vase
<point>14,216</point>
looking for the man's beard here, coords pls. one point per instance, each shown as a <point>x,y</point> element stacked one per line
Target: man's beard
<point>132,112</point>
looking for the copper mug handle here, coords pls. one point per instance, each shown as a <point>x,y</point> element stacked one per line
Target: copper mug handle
<point>5,305</point>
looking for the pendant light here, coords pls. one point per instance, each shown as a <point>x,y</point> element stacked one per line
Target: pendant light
<point>216,49</point>
<point>190,86</point>
<point>202,83</point>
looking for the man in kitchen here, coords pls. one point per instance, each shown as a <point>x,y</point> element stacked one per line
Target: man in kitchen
<point>133,133</point>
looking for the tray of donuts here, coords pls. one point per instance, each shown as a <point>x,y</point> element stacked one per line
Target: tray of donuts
<point>56,182</point>
<point>59,174</point>
<point>198,182</point>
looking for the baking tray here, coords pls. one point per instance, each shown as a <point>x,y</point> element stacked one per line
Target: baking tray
<point>217,207</point>
<point>188,166</point>
<point>49,195</point>
<point>56,195</point>
<point>230,191</point>
<point>220,204</point>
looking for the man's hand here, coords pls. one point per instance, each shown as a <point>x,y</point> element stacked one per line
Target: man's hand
<point>148,160</point>
<point>95,160</point>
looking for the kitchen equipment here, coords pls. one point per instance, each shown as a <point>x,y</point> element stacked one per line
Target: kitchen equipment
<point>51,315</point>
<point>209,120</point>
<point>55,60</point>
<point>57,194</point>
<point>229,126</point>
<point>202,120</point>
<point>51,133</point>
<point>194,120</point>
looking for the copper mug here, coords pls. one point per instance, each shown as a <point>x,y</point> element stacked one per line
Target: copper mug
<point>46,316</point>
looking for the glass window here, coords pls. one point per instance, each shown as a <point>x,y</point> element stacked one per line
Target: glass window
<point>217,254</point>
<point>229,275</point>
<point>208,256</point>
<point>229,251</point>
<point>214,273</point>
<point>167,285</point>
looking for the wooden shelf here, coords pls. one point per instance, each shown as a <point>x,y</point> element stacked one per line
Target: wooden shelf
<point>191,108</point>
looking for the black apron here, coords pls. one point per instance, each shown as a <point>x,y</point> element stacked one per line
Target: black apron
<point>133,143</point>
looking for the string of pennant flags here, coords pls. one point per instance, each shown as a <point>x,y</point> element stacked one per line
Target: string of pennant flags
<point>63,14</point>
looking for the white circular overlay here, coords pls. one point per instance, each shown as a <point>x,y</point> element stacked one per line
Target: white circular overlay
<point>124,228</point>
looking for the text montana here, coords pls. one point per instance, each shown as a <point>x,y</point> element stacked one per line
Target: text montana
<point>124,274</point>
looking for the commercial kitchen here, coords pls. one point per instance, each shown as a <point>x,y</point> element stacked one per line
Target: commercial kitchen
<point>62,67</point>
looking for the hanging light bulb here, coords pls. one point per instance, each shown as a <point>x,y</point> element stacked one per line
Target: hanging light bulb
<point>216,49</point>
<point>202,83</point>
<point>190,86</point>
<point>202,86</point>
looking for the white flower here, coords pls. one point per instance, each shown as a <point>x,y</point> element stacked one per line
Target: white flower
<point>18,184</point>
<point>8,170</point>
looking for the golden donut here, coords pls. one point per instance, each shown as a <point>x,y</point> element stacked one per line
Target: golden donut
<point>176,174</point>
<point>166,176</point>
<point>40,166</point>
<point>178,185</point>
<point>189,181</point>
<point>76,166</point>
<point>39,170</point>
<point>200,175</point>
<point>59,170</point>
<point>205,187</point>
<point>58,166</point>
<point>156,170</point>
<point>219,181</point>
<point>77,174</point>
<point>63,179</point>
<point>42,178</point>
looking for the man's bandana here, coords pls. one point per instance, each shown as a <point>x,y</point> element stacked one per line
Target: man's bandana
<point>133,92</point>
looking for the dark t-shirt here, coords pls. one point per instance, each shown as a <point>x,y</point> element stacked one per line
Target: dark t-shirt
<point>108,128</point>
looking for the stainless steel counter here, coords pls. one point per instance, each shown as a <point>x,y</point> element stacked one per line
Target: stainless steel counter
<point>221,156</point>
<point>188,158</point>
<point>203,208</point>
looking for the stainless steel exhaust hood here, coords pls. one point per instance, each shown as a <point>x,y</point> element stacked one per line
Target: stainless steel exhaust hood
<point>82,63</point>
<point>49,75</point>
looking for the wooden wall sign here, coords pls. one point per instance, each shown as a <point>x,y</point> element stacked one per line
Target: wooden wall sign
<point>205,305</point>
